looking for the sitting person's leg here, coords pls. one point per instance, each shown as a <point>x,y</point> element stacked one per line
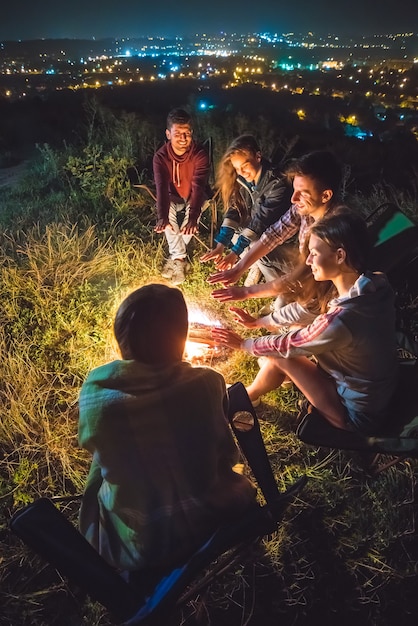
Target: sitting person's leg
<point>316,386</point>
<point>269,377</point>
<point>280,261</point>
<point>176,245</point>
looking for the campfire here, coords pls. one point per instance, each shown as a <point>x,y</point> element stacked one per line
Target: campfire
<point>200,347</point>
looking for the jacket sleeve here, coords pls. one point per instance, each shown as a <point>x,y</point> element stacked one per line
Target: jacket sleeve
<point>224,236</point>
<point>288,315</point>
<point>326,333</point>
<point>89,417</point>
<point>269,204</point>
<point>232,221</point>
<point>230,225</point>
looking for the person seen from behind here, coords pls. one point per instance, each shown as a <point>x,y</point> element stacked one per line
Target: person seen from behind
<point>161,478</point>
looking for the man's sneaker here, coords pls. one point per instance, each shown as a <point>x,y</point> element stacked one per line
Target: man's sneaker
<point>180,267</point>
<point>168,269</point>
<point>253,276</point>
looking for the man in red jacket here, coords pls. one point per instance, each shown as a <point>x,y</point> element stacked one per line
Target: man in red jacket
<point>181,172</point>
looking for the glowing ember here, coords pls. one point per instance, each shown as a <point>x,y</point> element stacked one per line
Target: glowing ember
<point>196,352</point>
<point>200,346</point>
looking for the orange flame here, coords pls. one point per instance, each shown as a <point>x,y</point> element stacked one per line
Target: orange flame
<point>198,350</point>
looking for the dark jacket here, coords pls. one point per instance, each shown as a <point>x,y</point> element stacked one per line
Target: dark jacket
<point>265,203</point>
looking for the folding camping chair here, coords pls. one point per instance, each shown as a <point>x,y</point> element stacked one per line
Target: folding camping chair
<point>395,252</point>
<point>46,531</point>
<point>397,438</point>
<point>395,238</point>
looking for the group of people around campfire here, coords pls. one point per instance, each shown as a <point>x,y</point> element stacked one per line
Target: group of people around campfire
<point>162,477</point>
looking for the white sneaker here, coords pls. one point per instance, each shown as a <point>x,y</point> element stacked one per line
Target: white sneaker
<point>168,269</point>
<point>253,277</point>
<point>180,268</point>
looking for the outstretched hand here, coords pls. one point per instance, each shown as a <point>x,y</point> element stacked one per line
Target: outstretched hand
<point>213,255</point>
<point>224,337</point>
<point>243,317</point>
<point>227,277</point>
<point>161,225</point>
<point>230,293</point>
<point>191,227</point>
<point>227,261</point>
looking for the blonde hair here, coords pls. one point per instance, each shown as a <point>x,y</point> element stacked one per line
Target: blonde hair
<point>226,176</point>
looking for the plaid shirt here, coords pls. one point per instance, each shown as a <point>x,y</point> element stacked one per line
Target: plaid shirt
<point>287,226</point>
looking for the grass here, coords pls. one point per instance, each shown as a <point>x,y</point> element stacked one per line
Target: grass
<point>60,289</point>
<point>347,549</point>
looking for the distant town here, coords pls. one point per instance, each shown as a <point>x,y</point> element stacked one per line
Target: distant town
<point>381,70</point>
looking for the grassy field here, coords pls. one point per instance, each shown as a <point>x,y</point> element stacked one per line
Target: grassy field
<point>347,545</point>
<point>72,247</point>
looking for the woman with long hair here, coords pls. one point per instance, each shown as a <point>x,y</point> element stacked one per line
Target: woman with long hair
<point>254,195</point>
<point>344,361</point>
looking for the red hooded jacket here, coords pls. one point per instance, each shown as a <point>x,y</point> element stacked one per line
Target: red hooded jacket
<point>181,179</point>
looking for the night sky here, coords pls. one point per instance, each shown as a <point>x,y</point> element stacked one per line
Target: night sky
<point>28,19</point>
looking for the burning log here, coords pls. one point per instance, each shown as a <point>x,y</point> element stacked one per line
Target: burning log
<point>201,333</point>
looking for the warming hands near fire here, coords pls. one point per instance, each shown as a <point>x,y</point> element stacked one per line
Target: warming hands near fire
<point>230,293</point>
<point>227,261</point>
<point>216,254</point>
<point>222,262</point>
<point>243,317</point>
<point>228,338</point>
<point>227,277</point>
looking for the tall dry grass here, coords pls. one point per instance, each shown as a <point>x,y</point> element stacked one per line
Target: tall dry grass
<point>60,288</point>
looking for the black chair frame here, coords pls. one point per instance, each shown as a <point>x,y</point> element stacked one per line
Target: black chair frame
<point>49,533</point>
<point>314,429</point>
